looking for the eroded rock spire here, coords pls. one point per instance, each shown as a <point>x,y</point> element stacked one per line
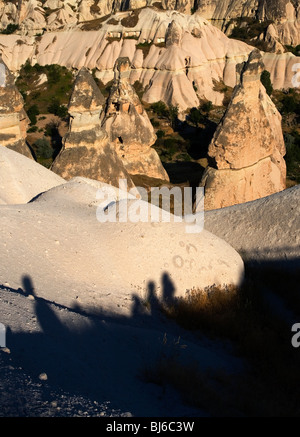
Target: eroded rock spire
<point>247,151</point>
<point>129,127</point>
<point>86,150</point>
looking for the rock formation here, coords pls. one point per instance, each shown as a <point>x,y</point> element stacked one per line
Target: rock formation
<point>22,179</point>
<point>86,150</point>
<point>13,118</point>
<point>32,16</point>
<point>177,71</point>
<point>247,150</point>
<point>129,127</point>
<point>264,230</point>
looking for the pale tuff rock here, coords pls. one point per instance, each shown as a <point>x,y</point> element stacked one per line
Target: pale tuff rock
<point>31,17</point>
<point>8,13</point>
<point>271,38</point>
<point>284,14</point>
<point>31,14</point>
<point>124,258</point>
<point>63,17</point>
<point>13,118</point>
<point>21,179</point>
<point>129,127</point>
<point>247,149</point>
<point>266,229</point>
<point>86,149</point>
<point>171,73</point>
<point>197,55</point>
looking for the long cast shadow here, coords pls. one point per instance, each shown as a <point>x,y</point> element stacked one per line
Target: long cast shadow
<point>84,355</point>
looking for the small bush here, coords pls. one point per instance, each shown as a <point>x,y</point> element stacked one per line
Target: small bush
<point>160,133</point>
<point>195,116</point>
<point>289,105</point>
<point>11,28</point>
<point>57,109</point>
<point>154,122</point>
<point>43,148</point>
<point>32,113</point>
<point>160,108</point>
<point>32,129</point>
<point>206,107</point>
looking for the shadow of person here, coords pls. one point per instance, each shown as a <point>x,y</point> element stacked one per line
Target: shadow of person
<point>168,289</point>
<point>47,319</point>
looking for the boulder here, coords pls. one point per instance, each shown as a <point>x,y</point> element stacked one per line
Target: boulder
<point>247,151</point>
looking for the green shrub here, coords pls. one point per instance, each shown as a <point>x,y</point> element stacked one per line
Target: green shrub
<point>57,109</point>
<point>11,28</point>
<point>292,157</point>
<point>43,148</point>
<point>289,104</point>
<point>32,112</point>
<point>154,122</point>
<point>160,108</point>
<point>32,129</point>
<point>173,115</point>
<point>160,133</point>
<point>206,106</point>
<point>195,116</point>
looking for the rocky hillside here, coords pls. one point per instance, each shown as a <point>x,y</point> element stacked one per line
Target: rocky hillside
<point>32,16</point>
<point>178,58</point>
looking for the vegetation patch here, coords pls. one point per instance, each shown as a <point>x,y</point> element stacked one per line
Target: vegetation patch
<point>10,29</point>
<point>145,47</point>
<point>267,385</point>
<point>249,29</point>
<point>132,19</point>
<point>288,104</point>
<point>294,50</point>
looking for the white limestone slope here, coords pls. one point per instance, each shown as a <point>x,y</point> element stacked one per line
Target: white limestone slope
<point>73,258</point>
<point>21,179</point>
<point>267,229</point>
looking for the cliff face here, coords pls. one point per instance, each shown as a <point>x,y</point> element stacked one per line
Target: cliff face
<point>13,118</point>
<point>86,150</point>
<point>248,147</point>
<point>177,58</point>
<point>129,127</point>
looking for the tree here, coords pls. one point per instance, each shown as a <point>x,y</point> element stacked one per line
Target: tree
<point>43,147</point>
<point>32,112</point>
<point>173,115</point>
<point>266,81</point>
<point>206,107</point>
<point>160,108</point>
<point>195,116</point>
<point>57,109</point>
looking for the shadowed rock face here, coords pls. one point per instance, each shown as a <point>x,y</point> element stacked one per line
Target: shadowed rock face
<point>13,118</point>
<point>248,147</point>
<point>129,127</point>
<point>86,150</point>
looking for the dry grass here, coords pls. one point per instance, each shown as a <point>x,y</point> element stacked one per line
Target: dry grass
<point>269,384</point>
